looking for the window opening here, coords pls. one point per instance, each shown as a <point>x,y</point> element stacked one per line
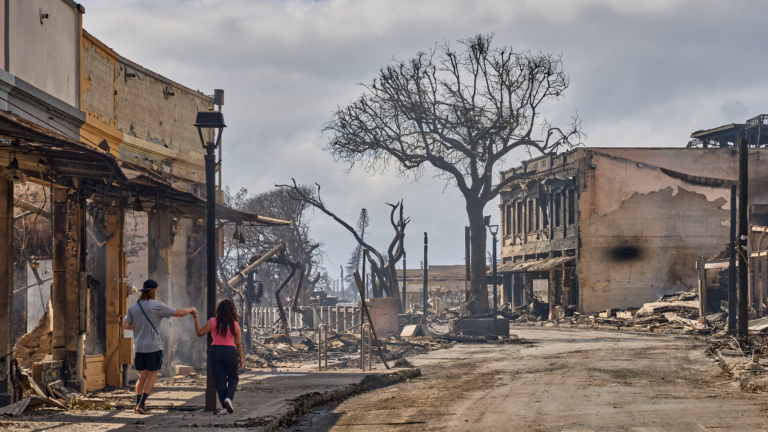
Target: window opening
<point>531,215</point>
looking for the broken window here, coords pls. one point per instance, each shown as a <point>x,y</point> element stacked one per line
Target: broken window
<point>571,207</point>
<point>531,215</point>
<point>519,224</point>
<point>558,207</point>
<point>537,210</point>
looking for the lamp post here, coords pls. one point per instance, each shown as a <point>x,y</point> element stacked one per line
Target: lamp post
<point>494,230</point>
<point>210,121</point>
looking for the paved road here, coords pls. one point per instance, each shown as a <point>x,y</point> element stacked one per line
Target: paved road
<point>572,380</point>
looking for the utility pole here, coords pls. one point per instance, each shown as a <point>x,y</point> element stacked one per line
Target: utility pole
<point>404,283</point>
<point>426,274</point>
<point>743,231</point>
<point>732,297</point>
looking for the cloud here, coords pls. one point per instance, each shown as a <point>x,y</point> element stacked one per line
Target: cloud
<point>642,74</point>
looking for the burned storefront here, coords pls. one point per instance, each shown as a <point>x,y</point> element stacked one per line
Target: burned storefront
<point>603,228</point>
<point>103,187</point>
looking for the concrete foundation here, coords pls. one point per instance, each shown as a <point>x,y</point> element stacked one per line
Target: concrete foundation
<point>480,327</point>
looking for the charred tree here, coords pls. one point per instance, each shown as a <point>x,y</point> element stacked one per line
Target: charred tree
<point>383,269</point>
<point>462,112</point>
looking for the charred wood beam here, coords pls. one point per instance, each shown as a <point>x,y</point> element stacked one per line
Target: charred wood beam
<point>242,275</point>
<point>24,205</point>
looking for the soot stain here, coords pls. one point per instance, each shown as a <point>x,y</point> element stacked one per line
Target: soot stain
<point>625,253</point>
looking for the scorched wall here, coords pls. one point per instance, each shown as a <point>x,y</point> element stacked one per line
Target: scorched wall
<point>647,214</point>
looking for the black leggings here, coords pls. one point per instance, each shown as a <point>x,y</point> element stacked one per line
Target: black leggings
<point>223,361</point>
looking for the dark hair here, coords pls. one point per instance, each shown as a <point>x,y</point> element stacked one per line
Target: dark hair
<point>148,295</point>
<point>226,316</point>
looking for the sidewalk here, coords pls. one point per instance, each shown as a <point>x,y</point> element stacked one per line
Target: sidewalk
<point>265,400</point>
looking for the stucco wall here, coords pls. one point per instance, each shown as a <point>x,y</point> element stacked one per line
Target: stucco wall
<point>641,230</point>
<point>98,82</point>
<point>144,112</point>
<point>46,55</point>
<point>132,107</point>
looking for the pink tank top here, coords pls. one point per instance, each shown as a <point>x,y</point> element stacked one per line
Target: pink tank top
<point>228,340</point>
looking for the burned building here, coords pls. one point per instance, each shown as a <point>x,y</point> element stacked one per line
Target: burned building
<point>599,228</point>
<point>102,187</point>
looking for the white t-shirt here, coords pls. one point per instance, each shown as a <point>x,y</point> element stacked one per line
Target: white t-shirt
<point>145,339</point>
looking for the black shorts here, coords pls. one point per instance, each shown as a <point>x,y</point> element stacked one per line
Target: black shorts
<point>148,361</point>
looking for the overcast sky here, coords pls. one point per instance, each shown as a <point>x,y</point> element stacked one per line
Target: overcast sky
<point>643,73</point>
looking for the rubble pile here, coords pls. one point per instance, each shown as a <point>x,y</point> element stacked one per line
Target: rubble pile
<point>534,312</point>
<point>35,345</point>
<point>741,361</point>
<point>678,313</point>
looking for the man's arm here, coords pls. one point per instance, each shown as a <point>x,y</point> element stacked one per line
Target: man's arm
<point>184,312</point>
<point>128,321</point>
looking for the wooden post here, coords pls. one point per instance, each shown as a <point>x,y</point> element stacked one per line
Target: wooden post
<point>160,261</point>
<point>426,274</point>
<point>732,289</point>
<point>68,210</point>
<point>114,295</point>
<point>763,284</point>
<point>751,286</point>
<point>742,324</point>
<point>6,291</point>
<point>700,266</point>
<point>59,283</point>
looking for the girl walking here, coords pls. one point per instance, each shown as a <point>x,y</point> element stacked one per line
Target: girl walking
<point>226,353</point>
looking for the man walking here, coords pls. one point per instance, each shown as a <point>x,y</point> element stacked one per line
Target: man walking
<point>144,317</point>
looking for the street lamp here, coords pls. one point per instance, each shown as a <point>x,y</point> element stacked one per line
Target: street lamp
<point>210,121</point>
<point>494,230</point>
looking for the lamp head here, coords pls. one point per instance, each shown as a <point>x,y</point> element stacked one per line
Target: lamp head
<point>210,120</point>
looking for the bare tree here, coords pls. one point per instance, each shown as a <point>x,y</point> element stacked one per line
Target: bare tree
<point>462,112</point>
<point>241,242</point>
<point>382,267</point>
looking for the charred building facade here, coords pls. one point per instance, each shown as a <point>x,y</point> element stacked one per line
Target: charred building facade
<point>600,228</point>
<point>101,187</point>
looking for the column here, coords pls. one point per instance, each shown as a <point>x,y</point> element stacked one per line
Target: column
<point>6,291</point>
<point>160,263</point>
<point>65,291</point>
<point>114,292</point>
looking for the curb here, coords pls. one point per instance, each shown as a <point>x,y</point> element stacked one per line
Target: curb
<point>305,403</point>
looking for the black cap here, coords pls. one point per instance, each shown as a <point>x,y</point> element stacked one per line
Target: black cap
<point>148,285</point>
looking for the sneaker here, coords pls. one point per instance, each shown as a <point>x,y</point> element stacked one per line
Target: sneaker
<point>228,405</point>
<point>220,411</point>
<point>136,409</point>
<point>141,409</point>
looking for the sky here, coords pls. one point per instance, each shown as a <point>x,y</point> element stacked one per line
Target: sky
<point>642,74</point>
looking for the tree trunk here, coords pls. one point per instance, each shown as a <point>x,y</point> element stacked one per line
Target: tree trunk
<point>478,292</point>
